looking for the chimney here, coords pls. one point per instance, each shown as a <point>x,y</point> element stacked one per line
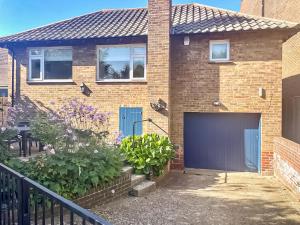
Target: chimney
<point>158,66</point>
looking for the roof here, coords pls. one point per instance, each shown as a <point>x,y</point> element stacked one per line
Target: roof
<point>186,19</point>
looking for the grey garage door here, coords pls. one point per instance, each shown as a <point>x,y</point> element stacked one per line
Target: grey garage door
<point>222,141</point>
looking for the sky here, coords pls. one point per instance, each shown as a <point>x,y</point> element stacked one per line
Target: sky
<point>20,15</point>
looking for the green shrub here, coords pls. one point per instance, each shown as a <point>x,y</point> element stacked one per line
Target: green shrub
<point>6,134</point>
<point>148,154</point>
<point>49,132</point>
<point>72,174</point>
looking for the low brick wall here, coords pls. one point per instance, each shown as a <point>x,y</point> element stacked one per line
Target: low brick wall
<point>287,163</point>
<point>106,193</point>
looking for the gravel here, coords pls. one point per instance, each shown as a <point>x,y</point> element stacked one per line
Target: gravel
<point>204,198</point>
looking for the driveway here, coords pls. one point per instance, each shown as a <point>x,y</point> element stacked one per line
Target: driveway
<point>202,198</point>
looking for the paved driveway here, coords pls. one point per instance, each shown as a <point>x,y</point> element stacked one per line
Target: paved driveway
<point>204,199</point>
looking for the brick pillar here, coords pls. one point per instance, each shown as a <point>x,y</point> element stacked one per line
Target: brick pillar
<point>158,66</point>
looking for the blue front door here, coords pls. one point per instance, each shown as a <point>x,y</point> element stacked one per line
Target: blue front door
<point>222,141</point>
<point>127,117</point>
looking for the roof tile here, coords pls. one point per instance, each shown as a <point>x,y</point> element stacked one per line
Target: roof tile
<point>186,19</point>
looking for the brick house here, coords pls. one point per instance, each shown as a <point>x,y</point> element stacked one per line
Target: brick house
<point>209,77</point>
<point>287,148</point>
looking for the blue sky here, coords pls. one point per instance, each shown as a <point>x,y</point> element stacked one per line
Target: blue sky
<point>20,15</point>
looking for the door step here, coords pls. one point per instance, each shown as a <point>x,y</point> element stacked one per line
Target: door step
<point>137,179</point>
<point>143,188</point>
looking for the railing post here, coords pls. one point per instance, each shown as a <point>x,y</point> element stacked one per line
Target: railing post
<point>23,202</point>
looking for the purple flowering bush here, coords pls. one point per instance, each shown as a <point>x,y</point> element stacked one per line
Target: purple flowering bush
<point>73,125</point>
<point>81,155</point>
<point>23,111</point>
<point>85,117</point>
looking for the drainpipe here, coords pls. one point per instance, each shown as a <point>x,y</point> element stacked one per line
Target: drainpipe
<point>13,78</point>
<point>262,8</point>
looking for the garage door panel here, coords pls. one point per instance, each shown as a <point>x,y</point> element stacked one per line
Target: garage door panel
<point>220,141</point>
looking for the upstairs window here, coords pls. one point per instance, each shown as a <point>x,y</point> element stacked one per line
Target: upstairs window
<point>219,50</point>
<point>121,63</point>
<point>50,64</point>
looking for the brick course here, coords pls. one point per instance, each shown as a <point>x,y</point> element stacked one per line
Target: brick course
<point>107,193</point>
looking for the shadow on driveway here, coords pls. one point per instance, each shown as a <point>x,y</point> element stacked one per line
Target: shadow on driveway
<point>204,198</point>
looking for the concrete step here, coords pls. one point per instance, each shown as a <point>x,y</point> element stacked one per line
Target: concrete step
<point>137,179</point>
<point>127,169</point>
<point>143,188</point>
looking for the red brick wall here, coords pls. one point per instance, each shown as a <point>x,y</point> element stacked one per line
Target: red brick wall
<point>158,66</point>
<point>196,83</point>
<point>286,163</point>
<point>253,7</point>
<point>3,67</point>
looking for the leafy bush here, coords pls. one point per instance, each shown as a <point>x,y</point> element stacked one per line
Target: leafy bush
<point>48,132</point>
<point>148,154</point>
<point>72,174</point>
<point>6,134</point>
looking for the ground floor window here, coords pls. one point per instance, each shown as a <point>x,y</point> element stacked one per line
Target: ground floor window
<point>121,63</point>
<point>48,64</point>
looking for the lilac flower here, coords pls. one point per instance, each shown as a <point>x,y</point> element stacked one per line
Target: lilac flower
<point>119,138</point>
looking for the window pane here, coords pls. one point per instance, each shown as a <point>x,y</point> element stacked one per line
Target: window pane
<point>114,63</point>
<point>35,68</point>
<point>36,52</point>
<point>219,51</point>
<point>139,51</point>
<point>138,67</point>
<point>58,64</point>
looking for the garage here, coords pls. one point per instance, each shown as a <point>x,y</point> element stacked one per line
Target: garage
<point>222,141</point>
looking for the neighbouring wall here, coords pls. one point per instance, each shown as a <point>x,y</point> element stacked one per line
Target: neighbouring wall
<point>253,7</point>
<point>285,10</point>
<point>286,163</point>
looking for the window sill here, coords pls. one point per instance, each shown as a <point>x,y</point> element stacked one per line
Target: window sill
<point>122,81</point>
<point>220,62</point>
<point>49,81</point>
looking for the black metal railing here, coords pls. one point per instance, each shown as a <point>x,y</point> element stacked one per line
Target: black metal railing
<point>25,202</point>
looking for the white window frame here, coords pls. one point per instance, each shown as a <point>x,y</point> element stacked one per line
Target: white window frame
<point>211,43</point>
<point>42,60</point>
<point>132,56</point>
